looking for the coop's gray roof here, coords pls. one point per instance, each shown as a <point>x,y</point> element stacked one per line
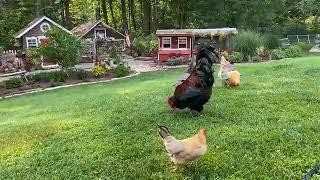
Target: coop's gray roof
<point>201,32</point>
<point>85,28</point>
<point>35,22</point>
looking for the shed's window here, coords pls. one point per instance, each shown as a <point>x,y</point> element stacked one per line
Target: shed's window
<point>44,27</point>
<point>32,42</point>
<point>166,42</point>
<point>100,33</point>
<point>182,41</point>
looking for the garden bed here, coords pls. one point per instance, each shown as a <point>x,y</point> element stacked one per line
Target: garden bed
<point>45,81</point>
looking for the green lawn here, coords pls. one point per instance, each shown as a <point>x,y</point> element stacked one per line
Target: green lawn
<point>268,128</point>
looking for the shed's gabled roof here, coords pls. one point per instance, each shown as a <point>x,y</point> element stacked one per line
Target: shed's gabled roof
<point>35,22</point>
<point>85,28</point>
<point>201,32</point>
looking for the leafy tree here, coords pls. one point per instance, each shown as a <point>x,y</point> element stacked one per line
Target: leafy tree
<point>62,47</point>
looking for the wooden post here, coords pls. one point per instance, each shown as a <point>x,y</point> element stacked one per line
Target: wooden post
<point>309,38</point>
<point>298,38</point>
<point>94,51</point>
<point>192,44</point>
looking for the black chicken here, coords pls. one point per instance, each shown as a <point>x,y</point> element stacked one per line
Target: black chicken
<point>196,90</point>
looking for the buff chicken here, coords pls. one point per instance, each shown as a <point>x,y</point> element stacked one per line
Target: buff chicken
<point>185,150</point>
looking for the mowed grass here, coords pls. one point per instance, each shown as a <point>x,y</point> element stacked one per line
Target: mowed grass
<point>266,129</point>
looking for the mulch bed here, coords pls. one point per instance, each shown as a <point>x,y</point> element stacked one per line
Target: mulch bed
<point>32,85</point>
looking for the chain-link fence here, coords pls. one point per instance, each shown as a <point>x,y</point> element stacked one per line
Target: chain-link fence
<point>309,38</point>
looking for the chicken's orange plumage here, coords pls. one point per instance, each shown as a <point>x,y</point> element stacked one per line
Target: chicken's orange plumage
<point>185,150</point>
<point>228,74</point>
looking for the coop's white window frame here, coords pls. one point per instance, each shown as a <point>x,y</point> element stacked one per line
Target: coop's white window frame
<point>99,29</point>
<point>45,24</point>
<point>32,38</point>
<point>163,40</point>
<point>186,40</point>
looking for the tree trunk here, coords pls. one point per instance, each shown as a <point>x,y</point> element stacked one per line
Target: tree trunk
<point>37,3</point>
<point>63,22</point>
<point>67,14</point>
<point>146,16</point>
<point>2,4</point>
<point>104,11</point>
<point>53,8</point>
<point>155,16</point>
<point>98,11</point>
<point>112,14</point>
<point>124,14</point>
<point>132,12</point>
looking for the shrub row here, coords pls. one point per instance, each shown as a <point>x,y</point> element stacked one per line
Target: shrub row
<point>13,83</point>
<point>55,76</point>
<point>265,54</point>
<point>253,46</point>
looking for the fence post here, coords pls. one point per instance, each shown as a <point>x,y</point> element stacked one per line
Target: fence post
<point>309,38</point>
<point>298,38</point>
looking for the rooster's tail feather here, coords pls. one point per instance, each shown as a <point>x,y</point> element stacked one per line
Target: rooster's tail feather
<point>163,131</point>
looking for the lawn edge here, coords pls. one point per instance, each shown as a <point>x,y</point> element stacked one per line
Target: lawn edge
<point>66,86</point>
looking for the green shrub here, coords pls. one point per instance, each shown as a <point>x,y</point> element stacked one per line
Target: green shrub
<point>144,44</point>
<point>98,71</point>
<point>236,57</point>
<point>225,54</point>
<point>82,74</point>
<point>140,44</point>
<point>57,76</point>
<point>121,71</point>
<point>271,41</point>
<point>175,62</point>
<point>201,43</point>
<point>305,46</point>
<point>62,47</point>
<point>277,54</point>
<point>263,53</point>
<point>153,41</point>
<point>257,59</point>
<point>13,83</point>
<point>55,83</point>
<point>247,43</point>
<point>293,51</point>
<point>41,77</point>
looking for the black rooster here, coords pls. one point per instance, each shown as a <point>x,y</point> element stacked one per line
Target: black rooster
<point>196,90</point>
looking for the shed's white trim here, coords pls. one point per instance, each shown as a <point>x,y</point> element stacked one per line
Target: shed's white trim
<point>163,42</point>
<point>39,21</point>
<point>184,38</point>
<point>32,38</point>
<point>102,24</point>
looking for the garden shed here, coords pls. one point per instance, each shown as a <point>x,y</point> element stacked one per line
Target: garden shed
<point>34,33</point>
<point>94,31</point>
<point>182,42</point>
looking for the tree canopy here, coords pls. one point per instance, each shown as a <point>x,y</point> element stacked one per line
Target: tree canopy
<point>281,17</point>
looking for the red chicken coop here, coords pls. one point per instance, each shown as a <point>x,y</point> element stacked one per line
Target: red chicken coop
<point>182,42</point>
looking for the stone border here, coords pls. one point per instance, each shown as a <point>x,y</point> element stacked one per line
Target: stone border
<point>69,85</point>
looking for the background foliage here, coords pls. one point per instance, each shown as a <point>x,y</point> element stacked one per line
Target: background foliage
<point>279,17</point>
